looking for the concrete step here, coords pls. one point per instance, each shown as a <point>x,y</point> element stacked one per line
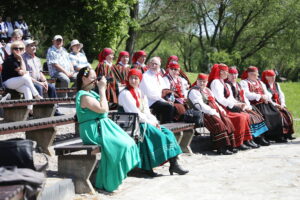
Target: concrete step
<point>58,189</point>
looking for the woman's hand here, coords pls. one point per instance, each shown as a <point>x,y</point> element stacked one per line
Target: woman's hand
<point>102,83</point>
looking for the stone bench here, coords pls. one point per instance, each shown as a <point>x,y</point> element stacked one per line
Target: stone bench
<point>42,130</point>
<point>184,133</point>
<point>16,110</point>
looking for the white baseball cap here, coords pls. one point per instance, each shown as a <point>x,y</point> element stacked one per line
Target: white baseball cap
<point>30,41</point>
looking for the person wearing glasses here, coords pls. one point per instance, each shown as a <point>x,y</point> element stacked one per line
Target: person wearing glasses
<point>16,36</point>
<point>34,66</point>
<point>59,63</point>
<point>15,76</point>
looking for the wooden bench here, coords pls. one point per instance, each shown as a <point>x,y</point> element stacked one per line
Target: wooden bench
<point>12,192</point>
<point>41,130</point>
<point>16,110</point>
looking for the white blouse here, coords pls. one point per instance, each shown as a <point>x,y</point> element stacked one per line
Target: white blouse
<point>247,102</point>
<point>281,95</point>
<point>126,100</point>
<point>184,85</point>
<point>217,88</point>
<point>152,86</point>
<point>196,98</point>
<point>252,95</point>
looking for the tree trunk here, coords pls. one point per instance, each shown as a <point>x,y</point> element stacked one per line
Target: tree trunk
<point>130,42</point>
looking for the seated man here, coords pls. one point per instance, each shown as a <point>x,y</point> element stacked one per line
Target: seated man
<point>152,85</point>
<point>34,66</point>
<point>59,64</point>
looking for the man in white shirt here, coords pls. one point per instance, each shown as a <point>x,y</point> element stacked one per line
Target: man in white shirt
<point>152,85</point>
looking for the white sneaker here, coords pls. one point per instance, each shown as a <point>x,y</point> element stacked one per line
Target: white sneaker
<point>6,97</point>
<point>38,97</point>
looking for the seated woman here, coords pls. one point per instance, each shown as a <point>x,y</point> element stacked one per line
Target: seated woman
<point>176,89</point>
<point>257,122</point>
<point>259,97</point>
<point>119,153</point>
<point>159,144</point>
<point>215,119</point>
<point>174,59</point>
<point>77,58</point>
<point>269,77</point>
<point>241,121</point>
<point>122,66</point>
<point>15,76</point>
<point>106,68</point>
<point>138,61</point>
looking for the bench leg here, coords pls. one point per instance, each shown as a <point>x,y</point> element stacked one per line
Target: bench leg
<point>43,137</point>
<point>15,114</point>
<point>41,111</point>
<point>178,136</point>
<point>80,168</point>
<point>186,141</point>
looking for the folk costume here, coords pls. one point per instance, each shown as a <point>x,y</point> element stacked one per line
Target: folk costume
<point>215,118</point>
<point>159,144</point>
<point>135,64</point>
<point>254,89</point>
<point>107,69</point>
<point>240,121</point>
<point>119,153</point>
<point>122,68</point>
<point>257,124</point>
<point>279,99</point>
<point>174,59</point>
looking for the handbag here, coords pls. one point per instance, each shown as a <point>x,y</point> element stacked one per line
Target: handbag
<point>193,116</point>
<point>129,122</point>
<point>19,152</point>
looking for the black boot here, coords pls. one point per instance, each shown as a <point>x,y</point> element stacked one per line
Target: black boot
<point>151,173</point>
<point>175,167</point>
<point>262,141</point>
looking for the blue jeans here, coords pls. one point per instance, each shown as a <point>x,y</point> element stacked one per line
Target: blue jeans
<point>51,90</point>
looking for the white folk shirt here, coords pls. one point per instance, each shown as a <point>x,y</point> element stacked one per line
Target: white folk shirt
<point>184,84</point>
<point>126,100</point>
<point>217,87</point>
<point>247,102</point>
<point>252,95</point>
<point>281,96</point>
<point>152,86</point>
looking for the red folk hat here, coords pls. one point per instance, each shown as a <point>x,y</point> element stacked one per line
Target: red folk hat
<point>105,52</point>
<point>135,72</point>
<point>121,54</point>
<point>215,72</point>
<point>174,66</point>
<point>171,58</point>
<point>200,76</point>
<point>249,69</point>
<point>137,55</point>
<point>267,73</point>
<point>233,70</point>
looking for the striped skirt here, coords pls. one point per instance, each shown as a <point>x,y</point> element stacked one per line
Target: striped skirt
<point>287,121</point>
<point>257,122</point>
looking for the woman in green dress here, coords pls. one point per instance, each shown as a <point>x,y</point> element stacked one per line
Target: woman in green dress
<point>159,143</point>
<point>119,152</point>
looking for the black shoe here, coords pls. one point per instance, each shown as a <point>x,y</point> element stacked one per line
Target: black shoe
<point>281,140</point>
<point>175,167</point>
<point>233,149</point>
<point>250,144</point>
<point>257,145</point>
<point>290,137</point>
<point>151,173</point>
<point>224,151</point>
<point>262,141</point>
<point>244,147</point>
<point>57,113</point>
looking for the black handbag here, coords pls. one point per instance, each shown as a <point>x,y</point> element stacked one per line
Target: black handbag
<point>193,116</point>
<point>129,122</point>
<point>19,152</point>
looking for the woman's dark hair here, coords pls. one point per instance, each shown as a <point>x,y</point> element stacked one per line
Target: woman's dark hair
<point>85,71</point>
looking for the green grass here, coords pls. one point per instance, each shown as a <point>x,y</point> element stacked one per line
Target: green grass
<point>292,98</point>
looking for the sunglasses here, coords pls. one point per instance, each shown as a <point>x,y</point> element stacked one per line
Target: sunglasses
<point>18,48</point>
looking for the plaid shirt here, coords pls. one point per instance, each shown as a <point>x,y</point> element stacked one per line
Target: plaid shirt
<point>58,56</point>
<point>78,60</point>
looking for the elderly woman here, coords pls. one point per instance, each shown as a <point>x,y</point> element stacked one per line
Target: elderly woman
<point>152,86</point>
<point>122,66</point>
<point>278,98</point>
<point>237,94</point>
<point>119,153</point>
<point>77,58</point>
<point>106,68</point>
<point>259,97</point>
<point>240,120</point>
<point>138,61</point>
<point>215,118</point>
<point>15,76</point>
<point>16,36</point>
<point>175,59</point>
<point>159,144</point>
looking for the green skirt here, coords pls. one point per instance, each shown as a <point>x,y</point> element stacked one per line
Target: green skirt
<point>157,147</point>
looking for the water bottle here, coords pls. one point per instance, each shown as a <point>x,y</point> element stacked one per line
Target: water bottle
<point>172,98</point>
